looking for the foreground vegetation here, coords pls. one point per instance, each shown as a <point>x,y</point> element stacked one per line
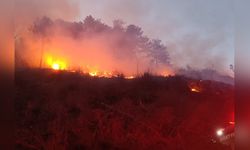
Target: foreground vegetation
<point>64,110</point>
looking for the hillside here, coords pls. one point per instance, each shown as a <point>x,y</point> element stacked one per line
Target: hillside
<point>65,110</point>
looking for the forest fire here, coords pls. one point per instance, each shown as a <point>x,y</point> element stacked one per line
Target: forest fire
<point>59,64</point>
<point>162,78</point>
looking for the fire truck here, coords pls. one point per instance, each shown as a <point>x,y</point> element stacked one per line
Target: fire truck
<point>226,135</point>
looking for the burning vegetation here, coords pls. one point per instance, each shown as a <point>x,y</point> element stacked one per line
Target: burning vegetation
<point>92,46</point>
<point>56,64</point>
<point>88,85</point>
<point>195,86</point>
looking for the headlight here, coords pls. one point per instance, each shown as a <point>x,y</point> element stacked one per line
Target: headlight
<point>219,132</point>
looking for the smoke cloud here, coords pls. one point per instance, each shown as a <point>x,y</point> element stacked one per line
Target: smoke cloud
<point>93,45</point>
<point>198,33</point>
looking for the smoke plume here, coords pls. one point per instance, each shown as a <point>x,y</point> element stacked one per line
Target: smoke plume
<point>91,44</point>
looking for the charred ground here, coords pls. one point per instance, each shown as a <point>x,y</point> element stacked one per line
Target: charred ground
<point>65,110</point>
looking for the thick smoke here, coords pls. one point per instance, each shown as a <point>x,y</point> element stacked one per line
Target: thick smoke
<point>91,44</point>
<point>198,33</point>
<point>197,52</point>
<point>124,48</point>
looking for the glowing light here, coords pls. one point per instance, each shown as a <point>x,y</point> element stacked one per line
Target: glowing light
<point>195,87</point>
<point>232,122</point>
<point>194,90</point>
<point>129,77</point>
<point>58,66</point>
<point>107,74</point>
<point>220,132</point>
<point>55,66</point>
<point>93,74</point>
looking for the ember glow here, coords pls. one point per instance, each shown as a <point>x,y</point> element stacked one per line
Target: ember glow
<point>195,86</point>
<point>106,74</point>
<point>129,77</point>
<point>194,90</point>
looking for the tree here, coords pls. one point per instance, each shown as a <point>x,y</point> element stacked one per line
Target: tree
<point>41,27</point>
<point>158,52</point>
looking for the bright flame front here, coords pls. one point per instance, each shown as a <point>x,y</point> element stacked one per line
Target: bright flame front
<point>93,73</point>
<point>56,64</point>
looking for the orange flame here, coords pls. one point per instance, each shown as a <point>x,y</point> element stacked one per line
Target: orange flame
<point>195,87</point>
<point>195,90</point>
<point>56,64</point>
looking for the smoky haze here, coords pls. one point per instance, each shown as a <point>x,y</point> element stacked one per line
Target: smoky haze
<point>190,42</point>
<point>91,44</point>
<point>198,33</point>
